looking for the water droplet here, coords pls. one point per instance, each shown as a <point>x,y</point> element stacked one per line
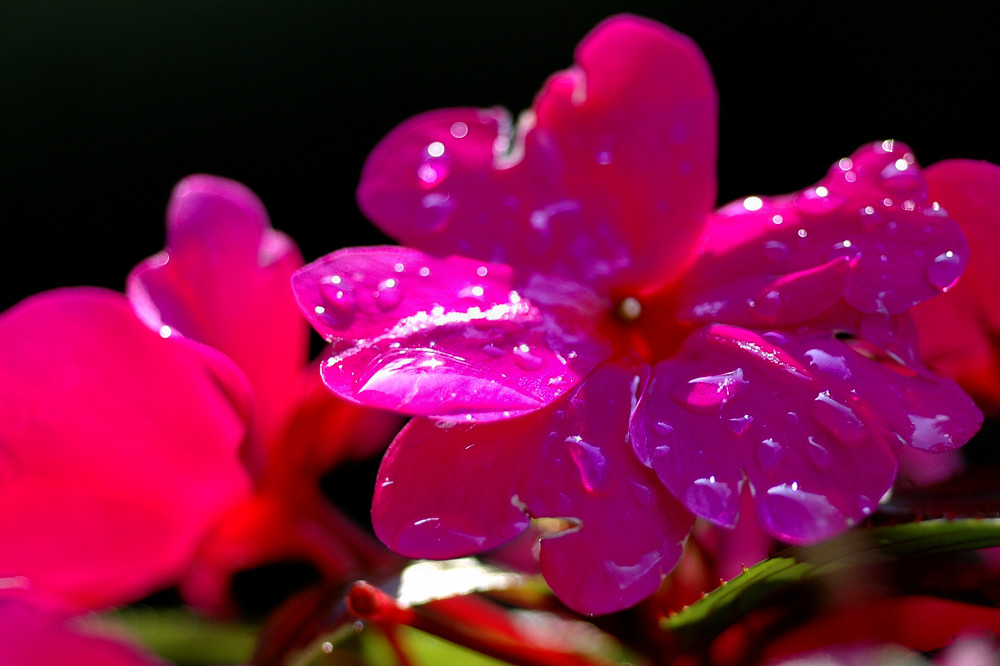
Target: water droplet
<point>494,350</point>
<point>707,395</point>
<point>770,454</point>
<point>475,292</point>
<point>798,516</point>
<point>434,213</point>
<point>817,453</point>
<point>338,302</point>
<point>945,270</point>
<point>835,366</point>
<point>662,428</point>
<point>741,424</point>
<point>590,462</point>
<point>604,157</point>
<point>711,499</point>
<point>525,359</point>
<point>459,129</point>
<point>817,201</point>
<point>839,420</point>
<point>642,493</point>
<point>388,295</point>
<point>792,418</point>
<point>775,251</point>
<point>865,505</point>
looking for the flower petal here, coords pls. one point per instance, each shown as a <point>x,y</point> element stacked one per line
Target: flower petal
<point>447,337</point>
<point>958,331</point>
<point>736,403</point>
<point>609,182</point>
<point>447,490</point>
<point>116,445</point>
<point>867,233</point>
<point>223,281</point>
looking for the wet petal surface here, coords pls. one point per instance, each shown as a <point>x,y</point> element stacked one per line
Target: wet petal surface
<point>606,181</point>
<point>622,531</point>
<point>447,337</point>
<point>868,233</point>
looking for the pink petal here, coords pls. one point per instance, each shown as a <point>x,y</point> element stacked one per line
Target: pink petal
<point>958,331</point>
<point>735,403</point>
<point>428,336</point>
<point>449,490</point>
<point>867,233</point>
<point>118,449</point>
<point>223,280</point>
<point>35,637</point>
<point>609,180</point>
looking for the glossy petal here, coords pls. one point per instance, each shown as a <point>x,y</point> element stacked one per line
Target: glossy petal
<point>223,280</point>
<point>447,337</point>
<point>451,489</point>
<point>34,637</point>
<point>118,449</point>
<point>735,403</point>
<point>867,233</point>
<point>609,180</point>
<point>958,331</point>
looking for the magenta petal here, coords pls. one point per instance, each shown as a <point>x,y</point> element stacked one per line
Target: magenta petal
<point>118,449</point>
<point>447,337</point>
<point>735,403</point>
<point>453,489</point>
<point>223,280</point>
<point>867,233</point>
<point>609,180</point>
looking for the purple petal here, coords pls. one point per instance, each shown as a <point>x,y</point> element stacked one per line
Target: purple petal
<point>867,233</point>
<point>609,182</point>
<point>736,403</point>
<point>223,281</point>
<point>447,337</point>
<point>447,490</point>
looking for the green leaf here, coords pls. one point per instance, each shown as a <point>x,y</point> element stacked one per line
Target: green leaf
<point>709,616</point>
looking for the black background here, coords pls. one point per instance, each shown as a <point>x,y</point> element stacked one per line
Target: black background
<point>103,108</point>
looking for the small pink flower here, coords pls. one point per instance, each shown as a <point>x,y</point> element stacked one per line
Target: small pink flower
<point>182,444</point>
<point>587,341</point>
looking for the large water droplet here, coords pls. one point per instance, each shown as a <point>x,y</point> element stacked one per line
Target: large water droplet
<point>590,462</point>
<point>770,454</point>
<point>835,366</point>
<point>817,453</point>
<point>711,499</point>
<point>775,251</point>
<point>817,201</point>
<point>798,516</point>
<point>945,270</point>
<point>525,359</point>
<point>839,420</point>
<point>388,294</point>
<point>338,304</point>
<point>708,395</point>
<point>434,214</point>
<point>741,424</point>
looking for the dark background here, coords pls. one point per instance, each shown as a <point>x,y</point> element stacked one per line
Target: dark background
<point>103,108</point>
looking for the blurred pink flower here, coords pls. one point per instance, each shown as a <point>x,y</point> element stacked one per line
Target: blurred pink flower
<point>184,444</point>
<point>34,637</point>
<point>587,341</point>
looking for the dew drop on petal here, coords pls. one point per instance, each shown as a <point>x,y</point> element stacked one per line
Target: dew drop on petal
<point>662,428</point>
<point>590,462</point>
<point>707,395</point>
<point>945,270</point>
<point>388,294</point>
<point>817,453</point>
<point>775,251</point>
<point>434,213</point>
<point>770,454</point>
<point>798,516</point>
<point>710,499</point>
<point>834,366</point>
<point>338,305</point>
<point>741,424</point>
<point>837,419</point>
<point>642,493</point>
<point>525,359</point>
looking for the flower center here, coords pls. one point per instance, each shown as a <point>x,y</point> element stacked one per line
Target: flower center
<point>629,309</point>
<point>645,328</point>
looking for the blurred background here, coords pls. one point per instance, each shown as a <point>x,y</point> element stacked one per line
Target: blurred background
<point>104,106</point>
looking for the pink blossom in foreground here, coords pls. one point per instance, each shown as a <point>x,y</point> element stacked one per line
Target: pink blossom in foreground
<point>34,637</point>
<point>959,333</point>
<point>586,340</point>
<point>184,443</point>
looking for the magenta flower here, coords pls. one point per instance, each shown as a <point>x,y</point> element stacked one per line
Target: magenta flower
<point>587,341</point>
<point>180,445</point>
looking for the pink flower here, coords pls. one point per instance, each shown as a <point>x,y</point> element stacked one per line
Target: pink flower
<point>958,333</point>
<point>182,444</point>
<point>587,341</point>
